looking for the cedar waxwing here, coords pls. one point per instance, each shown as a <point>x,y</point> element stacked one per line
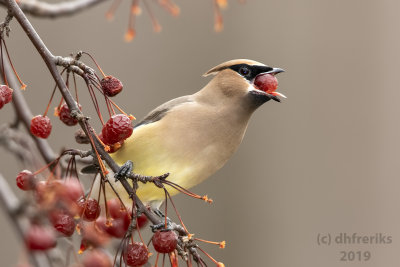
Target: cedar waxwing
<point>193,136</point>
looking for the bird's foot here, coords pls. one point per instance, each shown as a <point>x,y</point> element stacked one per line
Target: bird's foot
<point>124,170</point>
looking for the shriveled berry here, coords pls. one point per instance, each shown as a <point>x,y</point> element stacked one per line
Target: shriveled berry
<point>116,209</point>
<point>2,102</point>
<point>111,86</point>
<point>81,137</point>
<point>97,258</point>
<point>266,82</point>
<point>41,191</point>
<point>65,115</point>
<point>165,241</point>
<point>142,220</point>
<point>71,189</point>
<point>25,180</point>
<point>118,128</point>
<point>135,254</point>
<point>41,126</point>
<point>5,95</point>
<point>63,222</point>
<point>93,236</point>
<point>116,228</point>
<point>90,208</point>
<point>40,238</point>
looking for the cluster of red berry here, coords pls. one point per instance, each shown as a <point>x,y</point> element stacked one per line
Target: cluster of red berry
<point>118,128</point>
<point>68,210</point>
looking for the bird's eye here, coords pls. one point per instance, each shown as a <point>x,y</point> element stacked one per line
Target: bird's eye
<point>244,71</point>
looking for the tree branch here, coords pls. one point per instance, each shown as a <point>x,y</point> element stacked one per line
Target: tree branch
<point>52,62</point>
<point>54,10</point>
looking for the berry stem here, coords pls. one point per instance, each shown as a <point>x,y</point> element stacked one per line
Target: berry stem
<point>130,32</point>
<point>176,211</point>
<point>76,88</point>
<point>156,262</point>
<point>95,62</point>
<point>51,99</point>
<point>220,244</point>
<point>134,212</point>
<point>156,25</point>
<point>23,86</point>
<point>123,112</point>
<point>111,11</point>
<point>54,162</point>
<point>208,255</point>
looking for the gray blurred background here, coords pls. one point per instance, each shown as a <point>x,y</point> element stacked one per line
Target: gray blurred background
<point>325,161</point>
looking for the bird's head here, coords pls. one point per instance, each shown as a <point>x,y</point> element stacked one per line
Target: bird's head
<point>241,79</point>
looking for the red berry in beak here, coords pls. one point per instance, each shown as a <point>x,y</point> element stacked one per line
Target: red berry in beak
<point>266,82</point>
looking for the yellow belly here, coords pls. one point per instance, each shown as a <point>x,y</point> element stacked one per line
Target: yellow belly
<point>152,157</point>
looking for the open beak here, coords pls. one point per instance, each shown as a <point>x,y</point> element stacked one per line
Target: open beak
<point>272,95</point>
<point>274,71</point>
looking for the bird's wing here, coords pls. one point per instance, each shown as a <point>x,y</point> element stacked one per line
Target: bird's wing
<point>162,110</point>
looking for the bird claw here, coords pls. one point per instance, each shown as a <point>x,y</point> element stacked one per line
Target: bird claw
<point>124,170</point>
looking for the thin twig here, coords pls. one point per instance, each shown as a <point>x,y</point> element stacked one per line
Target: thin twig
<point>25,115</point>
<point>51,62</point>
<point>54,10</point>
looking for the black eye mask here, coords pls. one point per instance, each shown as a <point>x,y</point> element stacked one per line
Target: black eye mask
<point>250,71</point>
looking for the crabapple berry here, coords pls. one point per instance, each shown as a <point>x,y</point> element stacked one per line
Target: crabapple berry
<point>96,258</point>
<point>63,222</point>
<point>5,95</point>
<point>165,241</point>
<point>25,180</point>
<point>116,209</point>
<point>90,208</point>
<point>65,115</point>
<point>142,220</point>
<point>135,254</point>
<point>266,82</point>
<point>117,228</point>
<point>41,126</point>
<point>72,189</point>
<point>40,238</point>
<point>111,86</point>
<point>81,137</point>
<point>118,128</point>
